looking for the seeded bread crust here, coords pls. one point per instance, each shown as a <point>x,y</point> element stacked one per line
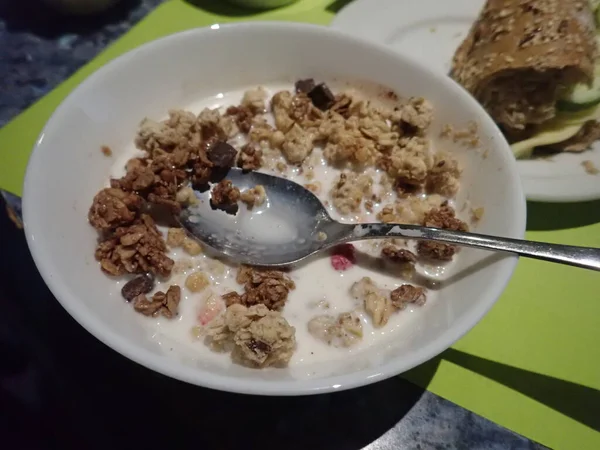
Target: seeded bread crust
<point>517,43</point>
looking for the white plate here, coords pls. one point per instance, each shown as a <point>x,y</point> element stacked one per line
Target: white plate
<point>430,30</point>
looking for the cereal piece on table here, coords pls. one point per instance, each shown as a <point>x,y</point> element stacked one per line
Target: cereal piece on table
<point>191,246</point>
<point>160,304</point>
<point>139,285</point>
<point>196,281</point>
<point>344,330</point>
<point>406,294</point>
<point>106,151</point>
<point>175,237</point>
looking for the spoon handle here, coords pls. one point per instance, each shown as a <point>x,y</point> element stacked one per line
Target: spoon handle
<point>585,257</point>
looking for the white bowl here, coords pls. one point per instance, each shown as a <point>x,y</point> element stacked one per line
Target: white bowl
<point>66,170</point>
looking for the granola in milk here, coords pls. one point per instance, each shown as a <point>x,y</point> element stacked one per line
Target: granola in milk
<point>387,170</point>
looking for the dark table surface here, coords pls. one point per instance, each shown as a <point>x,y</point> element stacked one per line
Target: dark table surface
<point>61,388</point>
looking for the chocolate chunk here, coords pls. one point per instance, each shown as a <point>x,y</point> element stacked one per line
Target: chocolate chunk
<point>305,86</point>
<point>321,96</point>
<point>222,155</point>
<point>139,285</point>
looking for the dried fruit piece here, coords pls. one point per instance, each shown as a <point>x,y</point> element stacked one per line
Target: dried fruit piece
<point>343,257</point>
<point>305,86</point>
<point>139,285</point>
<point>211,307</point>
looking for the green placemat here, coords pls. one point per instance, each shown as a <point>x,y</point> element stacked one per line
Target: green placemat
<point>531,365</point>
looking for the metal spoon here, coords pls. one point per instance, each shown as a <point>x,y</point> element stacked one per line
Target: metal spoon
<point>293,224</point>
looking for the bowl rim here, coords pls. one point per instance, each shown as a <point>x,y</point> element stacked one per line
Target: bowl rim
<point>198,376</point>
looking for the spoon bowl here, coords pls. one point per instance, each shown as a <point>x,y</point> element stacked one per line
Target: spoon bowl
<point>293,224</point>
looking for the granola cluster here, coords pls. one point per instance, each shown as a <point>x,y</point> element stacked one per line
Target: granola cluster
<point>136,248</point>
<point>256,336</point>
<point>443,217</point>
<point>183,150</point>
<point>262,287</point>
<point>381,303</point>
<point>344,330</point>
<point>160,304</point>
